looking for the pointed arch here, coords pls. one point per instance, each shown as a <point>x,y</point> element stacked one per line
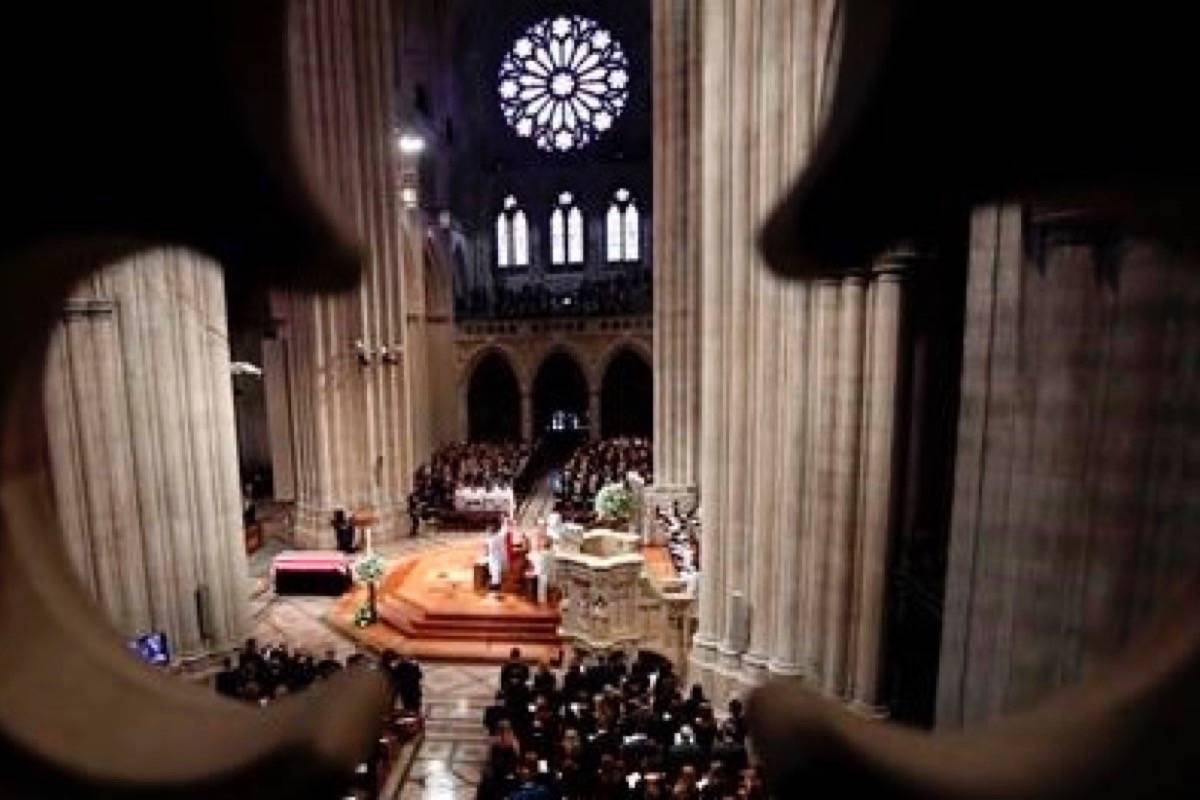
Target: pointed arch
<point>632,233</point>
<point>613,241</point>
<point>503,243</point>
<point>520,239</point>
<point>493,398</point>
<point>512,235</point>
<point>627,394</point>
<point>558,245</point>
<point>574,236</point>
<point>623,229</point>
<point>567,234</point>
<point>560,387</point>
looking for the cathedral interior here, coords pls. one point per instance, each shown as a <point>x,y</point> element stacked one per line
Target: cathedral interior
<point>599,399</point>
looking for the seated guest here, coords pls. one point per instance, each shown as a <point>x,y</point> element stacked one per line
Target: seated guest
<point>514,670</point>
<point>328,665</point>
<point>544,681</point>
<point>408,680</point>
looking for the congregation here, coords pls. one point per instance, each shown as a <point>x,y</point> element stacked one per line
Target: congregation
<point>682,531</point>
<point>595,464</point>
<point>479,466</point>
<point>261,674</point>
<point>612,730</point>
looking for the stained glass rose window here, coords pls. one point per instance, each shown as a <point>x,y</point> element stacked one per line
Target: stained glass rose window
<point>563,83</point>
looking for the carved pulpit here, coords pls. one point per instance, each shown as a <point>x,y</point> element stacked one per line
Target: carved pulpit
<point>599,574</point>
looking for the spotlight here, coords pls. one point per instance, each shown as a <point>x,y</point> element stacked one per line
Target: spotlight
<point>411,144</point>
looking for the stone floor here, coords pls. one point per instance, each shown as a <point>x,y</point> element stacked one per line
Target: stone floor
<point>448,763</point>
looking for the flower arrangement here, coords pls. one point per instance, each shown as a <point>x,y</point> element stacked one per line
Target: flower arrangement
<point>614,502</point>
<point>369,568</point>
<point>363,616</point>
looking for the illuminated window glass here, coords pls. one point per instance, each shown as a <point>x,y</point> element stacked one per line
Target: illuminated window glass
<point>563,83</point>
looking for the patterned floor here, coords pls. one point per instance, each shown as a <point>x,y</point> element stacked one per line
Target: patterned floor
<point>448,764</point>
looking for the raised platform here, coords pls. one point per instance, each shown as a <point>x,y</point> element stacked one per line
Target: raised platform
<point>430,609</point>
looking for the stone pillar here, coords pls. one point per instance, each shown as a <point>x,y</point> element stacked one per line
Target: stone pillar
<point>676,256</point>
<point>886,348</point>
<point>820,441</point>
<point>593,413</point>
<point>713,35</point>
<point>527,416</point>
<point>762,458</point>
<point>151,510</point>
<point>360,419</point>
<point>789,564</point>
<point>847,390</point>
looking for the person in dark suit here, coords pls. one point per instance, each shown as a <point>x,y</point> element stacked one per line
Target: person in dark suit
<point>414,513</point>
<point>544,681</point>
<point>227,679</point>
<point>408,680</point>
<point>343,531</point>
<point>514,670</point>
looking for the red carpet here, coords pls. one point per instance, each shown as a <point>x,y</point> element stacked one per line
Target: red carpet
<point>429,608</point>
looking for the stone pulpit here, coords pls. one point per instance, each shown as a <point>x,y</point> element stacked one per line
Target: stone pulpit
<point>599,575</point>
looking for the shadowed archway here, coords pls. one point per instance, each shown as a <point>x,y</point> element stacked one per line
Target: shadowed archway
<point>560,395</point>
<point>493,401</point>
<point>627,396</point>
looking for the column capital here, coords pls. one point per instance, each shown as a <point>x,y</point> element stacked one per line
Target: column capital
<point>895,263</point>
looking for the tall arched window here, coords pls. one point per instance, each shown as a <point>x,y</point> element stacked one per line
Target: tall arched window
<point>623,229</point>
<point>512,235</point>
<point>566,232</point>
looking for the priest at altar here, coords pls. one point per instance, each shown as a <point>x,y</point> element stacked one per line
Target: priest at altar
<point>516,549</point>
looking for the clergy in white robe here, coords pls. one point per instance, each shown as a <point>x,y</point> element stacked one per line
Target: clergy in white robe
<point>496,556</point>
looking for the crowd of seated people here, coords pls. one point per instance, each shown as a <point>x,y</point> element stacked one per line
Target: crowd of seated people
<point>612,730</point>
<point>474,465</point>
<point>260,674</point>
<point>608,296</point>
<point>595,464</point>
<point>682,529</point>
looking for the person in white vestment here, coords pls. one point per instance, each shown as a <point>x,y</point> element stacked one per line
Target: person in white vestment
<point>554,526</point>
<point>496,556</point>
<point>543,564</point>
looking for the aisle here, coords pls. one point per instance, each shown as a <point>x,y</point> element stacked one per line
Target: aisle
<point>538,504</point>
<point>451,759</point>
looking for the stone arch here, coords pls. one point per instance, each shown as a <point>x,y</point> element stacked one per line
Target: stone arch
<point>560,383</point>
<point>493,399</point>
<point>477,356</point>
<point>626,393</point>
<point>586,363</point>
<point>638,346</point>
<point>514,359</point>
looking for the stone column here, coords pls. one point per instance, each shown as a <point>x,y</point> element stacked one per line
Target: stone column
<point>151,511</point>
<point>361,424</point>
<point>737,252</point>
<point>790,549</point>
<point>847,391</point>
<point>527,416</point>
<point>714,25</point>
<point>764,444</point>
<point>593,413</point>
<point>676,256</point>
<point>880,442</point>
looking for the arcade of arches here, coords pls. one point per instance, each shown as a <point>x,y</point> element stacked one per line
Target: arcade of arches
<point>927,488</point>
<point>620,404</point>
